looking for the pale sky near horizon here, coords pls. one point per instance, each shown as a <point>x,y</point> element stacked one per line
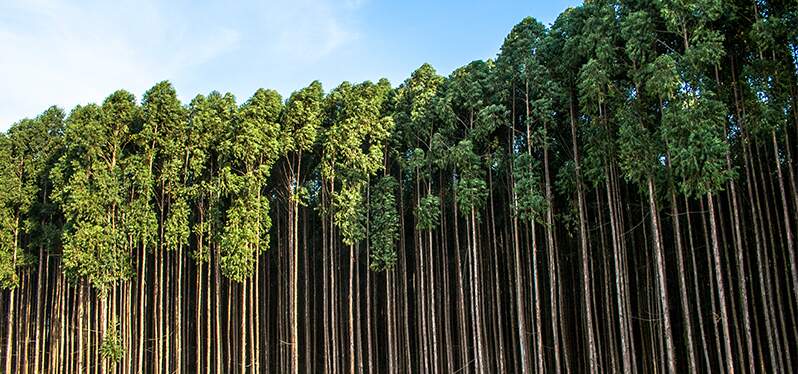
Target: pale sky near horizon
<point>65,53</point>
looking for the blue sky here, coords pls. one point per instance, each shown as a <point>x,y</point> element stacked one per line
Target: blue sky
<point>68,53</point>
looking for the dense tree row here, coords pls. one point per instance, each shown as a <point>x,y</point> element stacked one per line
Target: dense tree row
<point>616,192</point>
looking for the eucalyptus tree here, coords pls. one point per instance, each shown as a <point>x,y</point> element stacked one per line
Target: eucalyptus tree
<point>468,107</point>
<point>383,235</point>
<point>121,117</point>
<point>208,121</point>
<point>772,83</point>
<point>89,190</point>
<point>161,144</point>
<point>632,104</point>
<point>766,121</point>
<point>528,82</point>
<point>300,124</point>
<point>654,81</point>
<point>12,202</point>
<point>352,152</point>
<point>29,219</point>
<point>34,144</point>
<point>249,150</point>
<point>384,225</point>
<point>698,156</point>
<point>414,114</point>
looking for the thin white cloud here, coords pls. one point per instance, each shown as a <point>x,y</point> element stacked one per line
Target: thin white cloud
<point>354,4</point>
<point>54,52</point>
<point>303,31</point>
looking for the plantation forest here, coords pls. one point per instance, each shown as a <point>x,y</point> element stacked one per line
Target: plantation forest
<point>615,192</point>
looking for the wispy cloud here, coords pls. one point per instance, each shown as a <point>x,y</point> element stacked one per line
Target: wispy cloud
<point>303,30</point>
<point>54,52</point>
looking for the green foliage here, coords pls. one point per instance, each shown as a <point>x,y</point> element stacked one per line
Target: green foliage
<point>353,150</point>
<point>349,213</point>
<point>471,194</point>
<point>28,220</point>
<point>112,347</point>
<point>353,144</point>
<point>249,150</point>
<point>415,107</point>
<point>384,228</point>
<point>176,226</point>
<point>637,31</point>
<point>518,60</point>
<point>8,223</point>
<point>428,213</point>
<point>639,149</point>
<point>531,202</point>
<point>88,186</point>
<point>594,87</point>
<point>141,222</point>
<point>240,237</point>
<point>663,78</point>
<point>768,100</point>
<point>693,130</point>
<point>302,118</point>
<point>471,189</point>
<point>208,120</point>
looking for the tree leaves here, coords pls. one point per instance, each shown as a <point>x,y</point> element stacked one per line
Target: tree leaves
<point>384,224</point>
<point>693,130</point>
<point>428,213</point>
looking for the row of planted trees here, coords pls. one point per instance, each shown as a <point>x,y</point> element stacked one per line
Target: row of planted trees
<point>616,192</point>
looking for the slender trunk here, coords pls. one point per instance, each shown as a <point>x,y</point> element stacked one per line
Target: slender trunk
<point>369,350</point>
<point>661,277</point>
<point>721,290</point>
<point>460,292</point>
<point>292,281</point>
<point>698,308</point>
<point>198,319</point>
<point>243,327</point>
<point>476,285</point>
<point>179,314</point>
<point>519,301</point>
<point>499,335</point>
<point>742,277</point>
<point>218,310</point>
<point>142,284</point>
<point>351,322</point>
<point>764,282</point>
<point>39,309</point>
<point>786,216</point>
<point>79,317</point>
<point>586,283</point>
<point>685,302</point>
<point>10,330</point>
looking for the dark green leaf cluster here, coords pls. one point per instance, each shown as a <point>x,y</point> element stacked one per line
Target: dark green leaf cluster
<point>531,204</point>
<point>428,213</point>
<point>112,348</point>
<point>384,224</point>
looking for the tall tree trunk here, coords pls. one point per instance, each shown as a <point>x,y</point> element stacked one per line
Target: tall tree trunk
<point>198,318</point>
<point>661,277</point>
<point>9,330</point>
<point>685,302</point>
<point>39,309</point>
<point>586,277</point>
<point>721,289</point>
<point>519,301</point>
<point>179,313</point>
<point>476,286</point>
<point>218,310</point>
<point>786,216</point>
<point>79,317</point>
<point>351,313</point>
